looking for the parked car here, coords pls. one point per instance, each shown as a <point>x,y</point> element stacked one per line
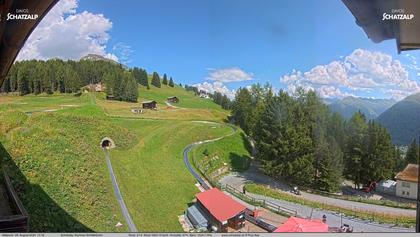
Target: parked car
<point>370,187</point>
<point>296,190</point>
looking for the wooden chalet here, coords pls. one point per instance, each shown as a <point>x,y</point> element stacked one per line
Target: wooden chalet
<point>173,99</point>
<point>149,104</point>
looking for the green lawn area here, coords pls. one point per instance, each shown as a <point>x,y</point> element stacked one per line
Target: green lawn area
<point>229,153</point>
<point>60,173</point>
<point>30,103</point>
<point>164,112</point>
<point>187,98</point>
<point>153,178</point>
<point>189,108</point>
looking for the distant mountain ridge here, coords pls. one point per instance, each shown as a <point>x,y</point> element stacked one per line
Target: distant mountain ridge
<point>403,120</point>
<point>372,108</point>
<point>96,57</point>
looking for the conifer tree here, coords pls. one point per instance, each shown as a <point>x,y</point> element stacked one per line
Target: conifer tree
<point>171,82</point>
<point>412,156</point>
<point>165,79</point>
<point>156,80</point>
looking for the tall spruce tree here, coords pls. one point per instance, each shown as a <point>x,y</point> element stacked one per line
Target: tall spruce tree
<point>144,78</point>
<point>23,80</point>
<point>355,148</point>
<point>131,89</point>
<point>156,80</point>
<point>412,156</point>
<point>137,73</point>
<point>171,82</point>
<point>242,109</point>
<point>284,146</point>
<point>378,160</point>
<point>165,79</point>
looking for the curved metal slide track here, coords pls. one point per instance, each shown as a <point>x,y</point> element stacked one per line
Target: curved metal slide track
<point>120,199</point>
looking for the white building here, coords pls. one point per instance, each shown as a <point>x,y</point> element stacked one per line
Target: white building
<point>203,94</point>
<point>407,182</point>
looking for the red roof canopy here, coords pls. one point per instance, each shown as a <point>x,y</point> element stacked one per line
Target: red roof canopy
<point>294,224</point>
<point>221,206</point>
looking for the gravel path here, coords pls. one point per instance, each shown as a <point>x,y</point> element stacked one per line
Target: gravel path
<point>171,105</point>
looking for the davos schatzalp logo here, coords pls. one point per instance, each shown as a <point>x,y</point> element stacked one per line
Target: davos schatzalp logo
<point>397,14</point>
<point>21,14</point>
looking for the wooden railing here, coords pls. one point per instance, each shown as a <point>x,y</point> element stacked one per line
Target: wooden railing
<point>260,202</point>
<point>19,221</point>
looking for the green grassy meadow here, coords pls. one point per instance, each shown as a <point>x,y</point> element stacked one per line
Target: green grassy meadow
<point>231,153</point>
<point>49,144</point>
<point>58,169</point>
<point>152,175</point>
<point>189,108</point>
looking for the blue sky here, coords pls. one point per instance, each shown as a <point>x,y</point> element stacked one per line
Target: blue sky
<point>261,41</point>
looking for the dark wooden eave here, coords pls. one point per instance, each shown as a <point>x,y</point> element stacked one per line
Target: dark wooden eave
<point>369,13</point>
<point>14,33</point>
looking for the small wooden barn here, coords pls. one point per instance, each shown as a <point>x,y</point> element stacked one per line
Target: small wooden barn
<point>173,99</point>
<point>149,104</point>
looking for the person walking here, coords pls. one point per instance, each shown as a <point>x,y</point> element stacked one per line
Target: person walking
<point>324,218</point>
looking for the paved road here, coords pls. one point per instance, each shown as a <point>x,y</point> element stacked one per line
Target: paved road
<point>334,219</point>
<point>119,197</point>
<point>237,180</point>
<point>254,175</point>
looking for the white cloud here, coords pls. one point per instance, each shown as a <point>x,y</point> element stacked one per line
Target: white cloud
<point>233,74</point>
<point>362,70</point>
<point>323,91</point>
<point>66,34</point>
<point>332,92</point>
<point>123,52</point>
<point>413,64</point>
<point>216,86</point>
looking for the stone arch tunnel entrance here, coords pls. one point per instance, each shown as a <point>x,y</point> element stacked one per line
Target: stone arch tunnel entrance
<point>107,143</point>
